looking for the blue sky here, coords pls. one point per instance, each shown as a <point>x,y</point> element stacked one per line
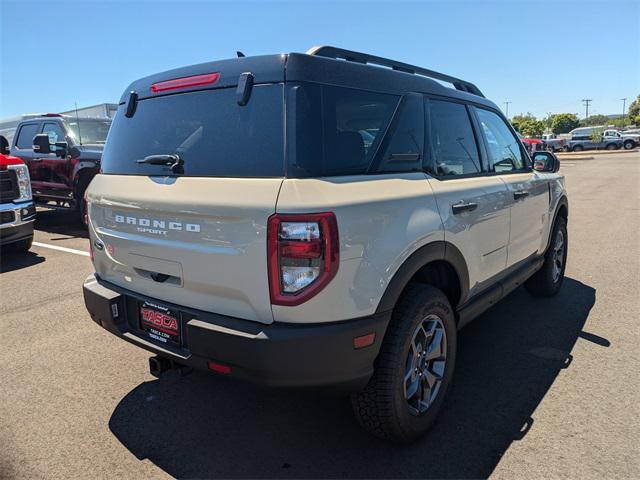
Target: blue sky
<point>542,56</point>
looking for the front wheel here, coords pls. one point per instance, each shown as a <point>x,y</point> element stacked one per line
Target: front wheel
<point>23,246</point>
<point>414,368</point>
<point>629,144</point>
<point>547,281</point>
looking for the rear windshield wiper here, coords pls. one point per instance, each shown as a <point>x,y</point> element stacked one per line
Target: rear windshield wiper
<point>172,160</point>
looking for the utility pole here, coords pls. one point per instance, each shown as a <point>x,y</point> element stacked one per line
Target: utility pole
<point>624,104</point>
<point>507,109</point>
<point>586,102</point>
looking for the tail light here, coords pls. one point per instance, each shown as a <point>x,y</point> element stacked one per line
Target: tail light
<point>303,255</point>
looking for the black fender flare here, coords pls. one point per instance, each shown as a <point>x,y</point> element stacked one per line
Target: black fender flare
<point>440,250</point>
<point>564,201</point>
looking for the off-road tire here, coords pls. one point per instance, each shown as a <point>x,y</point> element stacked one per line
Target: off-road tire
<point>23,246</point>
<point>381,408</point>
<point>543,283</point>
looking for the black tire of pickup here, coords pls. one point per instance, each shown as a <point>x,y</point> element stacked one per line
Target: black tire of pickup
<point>577,148</point>
<point>629,144</point>
<point>382,408</point>
<point>612,146</point>
<point>23,246</point>
<point>81,205</point>
<point>547,281</point>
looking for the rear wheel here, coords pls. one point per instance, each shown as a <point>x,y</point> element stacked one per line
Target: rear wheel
<point>414,368</point>
<point>611,146</point>
<point>577,148</point>
<point>629,144</point>
<point>547,281</point>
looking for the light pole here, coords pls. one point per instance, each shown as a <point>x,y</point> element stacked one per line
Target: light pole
<point>507,109</point>
<point>624,104</point>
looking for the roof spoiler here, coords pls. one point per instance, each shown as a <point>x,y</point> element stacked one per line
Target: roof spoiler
<point>364,58</point>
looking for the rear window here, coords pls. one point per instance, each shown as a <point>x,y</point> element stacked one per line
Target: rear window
<point>334,130</point>
<point>208,129</point>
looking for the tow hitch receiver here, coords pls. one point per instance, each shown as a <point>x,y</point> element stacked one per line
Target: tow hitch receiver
<point>159,365</point>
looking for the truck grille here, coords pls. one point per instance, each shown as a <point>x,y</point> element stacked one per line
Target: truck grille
<point>8,186</point>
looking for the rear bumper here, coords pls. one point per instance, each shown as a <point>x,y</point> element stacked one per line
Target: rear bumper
<point>16,221</point>
<point>276,355</point>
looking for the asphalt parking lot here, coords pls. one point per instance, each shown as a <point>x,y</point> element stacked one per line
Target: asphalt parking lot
<point>544,388</point>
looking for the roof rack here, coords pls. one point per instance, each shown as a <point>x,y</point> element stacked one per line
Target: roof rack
<point>364,58</point>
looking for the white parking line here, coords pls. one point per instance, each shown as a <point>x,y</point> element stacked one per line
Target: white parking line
<point>62,249</point>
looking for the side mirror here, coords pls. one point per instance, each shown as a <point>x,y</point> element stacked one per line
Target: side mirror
<point>4,145</point>
<point>61,149</point>
<point>41,144</point>
<point>545,162</point>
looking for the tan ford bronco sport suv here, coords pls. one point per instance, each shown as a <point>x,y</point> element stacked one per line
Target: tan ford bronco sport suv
<point>321,219</point>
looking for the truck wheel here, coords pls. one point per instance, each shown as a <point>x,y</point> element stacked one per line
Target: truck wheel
<point>612,146</point>
<point>414,368</point>
<point>547,281</point>
<point>81,206</point>
<point>577,148</point>
<point>629,144</point>
<point>22,246</point>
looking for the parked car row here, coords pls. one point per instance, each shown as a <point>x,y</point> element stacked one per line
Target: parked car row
<point>583,138</point>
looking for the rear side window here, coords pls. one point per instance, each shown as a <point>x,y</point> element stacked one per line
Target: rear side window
<point>208,129</point>
<point>453,143</point>
<point>503,147</point>
<point>401,149</point>
<point>25,135</point>
<point>333,130</point>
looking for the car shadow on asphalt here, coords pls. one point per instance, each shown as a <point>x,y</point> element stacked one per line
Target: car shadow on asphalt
<point>60,222</point>
<point>210,427</point>
<point>12,260</point>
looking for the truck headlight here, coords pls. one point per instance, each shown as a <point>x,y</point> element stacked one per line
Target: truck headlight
<point>24,183</point>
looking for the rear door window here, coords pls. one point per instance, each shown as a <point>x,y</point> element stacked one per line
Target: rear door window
<point>453,144</point>
<point>214,135</point>
<point>25,136</point>
<point>335,131</point>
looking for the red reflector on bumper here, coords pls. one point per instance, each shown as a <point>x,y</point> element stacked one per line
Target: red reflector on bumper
<point>219,368</point>
<point>364,340</point>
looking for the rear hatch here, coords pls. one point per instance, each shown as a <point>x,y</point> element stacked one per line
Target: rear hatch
<point>194,234</point>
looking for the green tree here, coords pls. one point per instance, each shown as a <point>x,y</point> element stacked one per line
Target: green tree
<point>596,134</point>
<point>564,122</point>
<point>634,111</point>
<point>595,120</point>
<point>528,125</point>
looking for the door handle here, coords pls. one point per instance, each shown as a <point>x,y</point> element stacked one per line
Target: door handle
<point>36,159</point>
<point>463,207</point>
<point>520,194</point>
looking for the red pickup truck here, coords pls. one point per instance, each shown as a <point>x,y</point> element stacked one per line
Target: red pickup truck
<point>17,211</point>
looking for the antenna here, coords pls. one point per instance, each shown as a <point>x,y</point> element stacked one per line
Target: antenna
<point>78,122</point>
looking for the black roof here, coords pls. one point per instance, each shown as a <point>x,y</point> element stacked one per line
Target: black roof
<point>327,65</point>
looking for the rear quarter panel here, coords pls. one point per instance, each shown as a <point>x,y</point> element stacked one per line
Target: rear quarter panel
<point>382,219</point>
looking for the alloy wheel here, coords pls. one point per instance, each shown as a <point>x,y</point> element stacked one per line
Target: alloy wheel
<point>558,256</point>
<point>425,364</point>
